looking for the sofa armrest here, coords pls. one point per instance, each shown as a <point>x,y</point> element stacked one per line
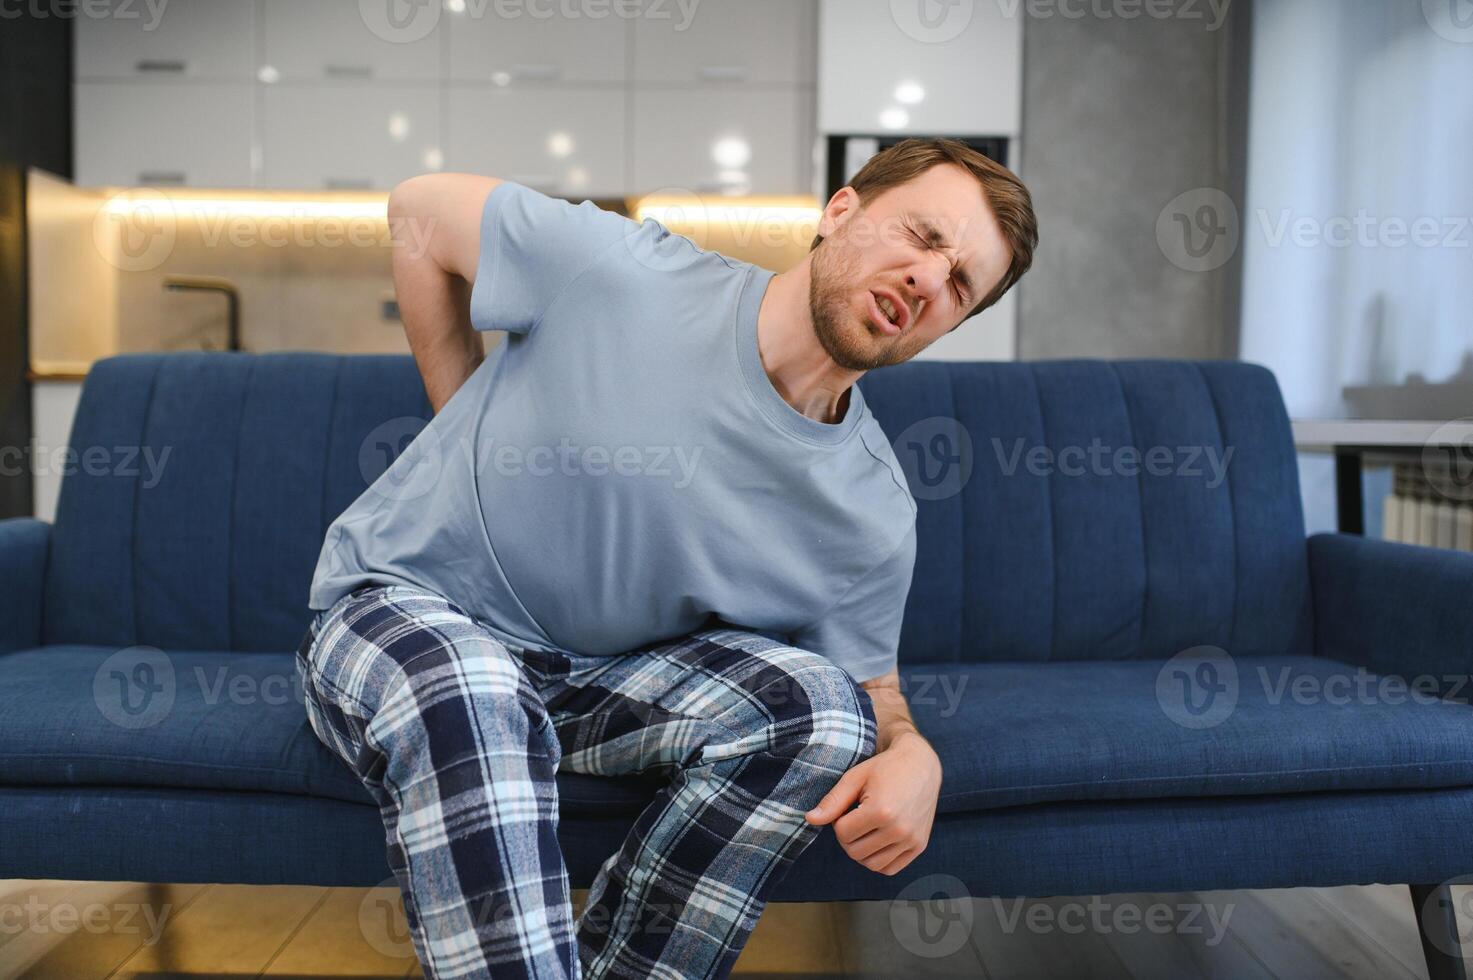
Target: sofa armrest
<point>1395,608</point>
<point>24,544</point>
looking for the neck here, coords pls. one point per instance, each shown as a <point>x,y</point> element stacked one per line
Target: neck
<point>794,359</point>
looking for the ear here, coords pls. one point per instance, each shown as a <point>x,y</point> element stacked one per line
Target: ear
<point>841,208</point>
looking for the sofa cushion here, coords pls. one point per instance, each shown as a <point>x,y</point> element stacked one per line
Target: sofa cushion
<point>1007,734</point>
<point>1011,734</point>
<point>218,721</point>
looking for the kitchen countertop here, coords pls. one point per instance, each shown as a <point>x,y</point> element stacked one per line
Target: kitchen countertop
<point>41,371</point>
<point>1324,435</point>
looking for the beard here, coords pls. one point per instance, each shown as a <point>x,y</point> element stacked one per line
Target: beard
<point>848,336</point>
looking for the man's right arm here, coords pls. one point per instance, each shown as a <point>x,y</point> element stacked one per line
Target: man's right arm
<point>435,225</point>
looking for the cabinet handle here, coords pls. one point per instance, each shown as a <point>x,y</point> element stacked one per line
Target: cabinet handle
<point>536,73</point>
<point>347,183</point>
<point>348,71</point>
<point>724,73</point>
<point>160,66</point>
<point>173,177</point>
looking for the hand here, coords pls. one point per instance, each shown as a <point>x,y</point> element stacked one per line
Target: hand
<point>897,791</point>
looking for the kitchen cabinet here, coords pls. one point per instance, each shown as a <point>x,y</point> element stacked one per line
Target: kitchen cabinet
<point>952,69</point>
<point>349,136</point>
<point>184,39</point>
<point>714,97</point>
<point>332,40</point>
<point>726,41</point>
<point>485,46</point>
<point>712,139</point>
<point>565,142</point>
<point>171,134</point>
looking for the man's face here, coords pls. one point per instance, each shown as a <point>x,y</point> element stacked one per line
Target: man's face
<point>890,279</point>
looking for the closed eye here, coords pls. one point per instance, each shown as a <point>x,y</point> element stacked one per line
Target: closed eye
<point>930,239</point>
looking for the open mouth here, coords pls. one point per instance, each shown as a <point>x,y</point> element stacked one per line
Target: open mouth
<point>889,312</point>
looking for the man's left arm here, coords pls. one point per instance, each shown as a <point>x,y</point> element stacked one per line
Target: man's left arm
<point>893,793</point>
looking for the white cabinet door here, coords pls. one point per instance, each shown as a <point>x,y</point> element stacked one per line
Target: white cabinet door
<point>519,43</point>
<point>565,142</point>
<point>195,134</point>
<point>728,41</point>
<point>947,68</point>
<point>341,39</point>
<point>177,39</point>
<point>723,140</point>
<point>345,136</point>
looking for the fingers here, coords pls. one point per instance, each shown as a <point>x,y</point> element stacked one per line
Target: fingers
<point>839,799</point>
<point>894,856</point>
<point>904,858</point>
<point>871,815</point>
<point>870,844</point>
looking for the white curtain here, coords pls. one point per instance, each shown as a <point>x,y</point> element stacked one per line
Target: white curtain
<point>1358,249</point>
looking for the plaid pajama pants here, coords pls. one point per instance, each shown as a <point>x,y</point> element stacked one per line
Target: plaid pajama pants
<point>459,736</point>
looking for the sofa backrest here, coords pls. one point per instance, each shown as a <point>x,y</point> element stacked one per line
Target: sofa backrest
<point>217,552</point>
<point>1098,520</point>
<point>1034,551</point>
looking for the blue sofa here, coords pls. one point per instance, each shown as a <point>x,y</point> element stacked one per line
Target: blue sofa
<point>1139,673</point>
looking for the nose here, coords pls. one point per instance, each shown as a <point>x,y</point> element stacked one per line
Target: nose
<point>926,277</point>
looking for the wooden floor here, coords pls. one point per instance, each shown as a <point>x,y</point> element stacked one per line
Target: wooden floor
<point>84,930</point>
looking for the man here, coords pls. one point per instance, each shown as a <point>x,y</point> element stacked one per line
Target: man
<point>657,531</point>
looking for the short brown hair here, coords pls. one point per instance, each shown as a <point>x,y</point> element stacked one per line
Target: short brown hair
<point>1001,188</point>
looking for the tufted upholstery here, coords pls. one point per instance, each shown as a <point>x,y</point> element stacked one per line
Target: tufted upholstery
<point>1078,561</point>
<point>1027,565</point>
<point>218,554</point>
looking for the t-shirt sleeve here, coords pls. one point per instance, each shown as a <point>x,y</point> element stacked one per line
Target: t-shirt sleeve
<point>532,247</point>
<point>861,632</point>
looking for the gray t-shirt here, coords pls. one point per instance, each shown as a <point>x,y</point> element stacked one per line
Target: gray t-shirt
<point>621,470</point>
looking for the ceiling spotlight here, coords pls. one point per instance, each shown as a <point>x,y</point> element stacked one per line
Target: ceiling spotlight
<point>894,118</point>
<point>731,153</point>
<point>909,93</point>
